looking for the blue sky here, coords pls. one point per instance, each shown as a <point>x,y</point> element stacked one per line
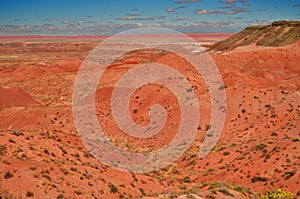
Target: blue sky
<point>106,17</point>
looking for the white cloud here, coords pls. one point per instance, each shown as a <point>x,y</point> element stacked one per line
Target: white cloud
<point>235,11</point>
<point>170,10</point>
<point>66,22</point>
<point>202,11</point>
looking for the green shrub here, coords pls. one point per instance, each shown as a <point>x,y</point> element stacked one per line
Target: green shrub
<point>186,179</point>
<point>278,194</point>
<point>225,192</point>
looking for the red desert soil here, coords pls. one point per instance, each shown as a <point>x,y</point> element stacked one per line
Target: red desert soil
<point>15,97</point>
<point>41,155</point>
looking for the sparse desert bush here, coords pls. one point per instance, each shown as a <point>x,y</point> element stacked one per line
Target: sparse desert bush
<point>73,169</point>
<point>6,162</point>
<point>240,158</point>
<point>64,171</point>
<point>60,196</point>
<point>31,147</point>
<point>289,174</point>
<point>113,188</point>
<point>259,178</point>
<point>78,192</point>
<point>29,194</point>
<point>46,151</point>
<point>2,149</point>
<point>210,170</point>
<point>221,148</point>
<point>191,163</point>
<point>276,149</point>
<point>223,87</point>
<point>17,133</point>
<point>142,191</point>
<point>63,150</point>
<point>45,174</point>
<point>267,156</point>
<point>87,155</point>
<point>11,140</point>
<point>8,174</point>
<point>260,147</point>
<point>210,196</point>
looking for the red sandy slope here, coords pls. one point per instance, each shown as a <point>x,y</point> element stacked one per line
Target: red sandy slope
<point>41,153</point>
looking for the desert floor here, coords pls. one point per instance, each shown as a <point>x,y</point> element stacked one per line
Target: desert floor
<point>42,156</point>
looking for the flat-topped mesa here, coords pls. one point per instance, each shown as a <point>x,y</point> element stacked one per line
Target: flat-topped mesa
<point>279,33</point>
<point>287,23</point>
<point>276,23</point>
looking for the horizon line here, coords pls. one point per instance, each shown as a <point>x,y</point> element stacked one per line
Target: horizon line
<point>100,36</point>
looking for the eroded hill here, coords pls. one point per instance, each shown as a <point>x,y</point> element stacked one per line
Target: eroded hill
<point>279,33</point>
